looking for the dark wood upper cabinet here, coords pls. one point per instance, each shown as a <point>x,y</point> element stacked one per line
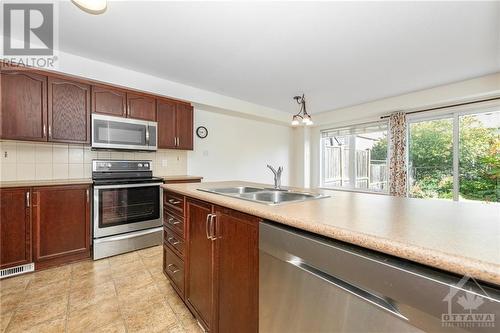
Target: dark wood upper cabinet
<point>68,111</point>
<point>199,292</point>
<point>61,224</point>
<point>165,115</point>
<point>23,111</point>
<point>237,271</point>
<point>141,107</point>
<point>112,102</point>
<point>184,123</point>
<point>175,124</point>
<point>15,227</point>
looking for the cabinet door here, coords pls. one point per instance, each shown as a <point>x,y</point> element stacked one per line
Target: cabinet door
<point>184,122</point>
<point>111,102</point>
<point>238,271</point>
<point>23,113</point>
<point>200,261</point>
<point>165,115</point>
<point>15,227</point>
<point>69,111</point>
<point>61,224</point>
<point>141,107</point>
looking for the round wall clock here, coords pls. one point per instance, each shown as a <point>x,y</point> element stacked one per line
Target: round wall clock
<point>202,132</point>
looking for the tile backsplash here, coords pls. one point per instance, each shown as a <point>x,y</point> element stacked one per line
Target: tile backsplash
<point>39,161</point>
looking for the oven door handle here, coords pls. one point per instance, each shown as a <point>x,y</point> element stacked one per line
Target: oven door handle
<point>101,187</point>
<point>129,235</point>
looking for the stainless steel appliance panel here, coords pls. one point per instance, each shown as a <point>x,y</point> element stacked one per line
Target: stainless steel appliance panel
<point>110,132</point>
<point>123,208</point>
<point>312,284</point>
<point>113,245</point>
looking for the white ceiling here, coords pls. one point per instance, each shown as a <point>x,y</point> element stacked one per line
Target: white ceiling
<point>338,54</point>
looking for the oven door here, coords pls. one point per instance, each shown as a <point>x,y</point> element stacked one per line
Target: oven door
<point>123,133</point>
<point>124,208</point>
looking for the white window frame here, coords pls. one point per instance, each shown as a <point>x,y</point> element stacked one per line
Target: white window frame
<point>453,113</point>
<point>352,168</point>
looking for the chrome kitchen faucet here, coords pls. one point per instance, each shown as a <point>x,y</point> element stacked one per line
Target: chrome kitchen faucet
<point>277,176</point>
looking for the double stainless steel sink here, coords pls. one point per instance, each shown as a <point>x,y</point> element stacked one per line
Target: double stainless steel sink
<point>268,196</point>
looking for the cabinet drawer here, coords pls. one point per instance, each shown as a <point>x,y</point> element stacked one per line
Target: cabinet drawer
<point>173,202</point>
<point>174,222</point>
<point>173,267</point>
<point>174,242</point>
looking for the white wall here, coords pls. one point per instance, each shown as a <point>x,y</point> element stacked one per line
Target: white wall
<point>239,149</point>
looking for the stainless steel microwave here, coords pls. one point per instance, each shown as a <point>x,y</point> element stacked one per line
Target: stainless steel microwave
<point>123,133</point>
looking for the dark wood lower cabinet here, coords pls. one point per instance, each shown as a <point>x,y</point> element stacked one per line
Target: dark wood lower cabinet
<point>221,266</point>
<point>61,224</point>
<point>15,227</point>
<point>200,263</point>
<point>237,274</point>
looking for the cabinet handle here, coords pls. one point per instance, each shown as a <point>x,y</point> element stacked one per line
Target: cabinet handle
<point>212,227</point>
<point>173,241</point>
<point>174,270</point>
<point>44,130</point>
<point>173,221</point>
<point>28,199</point>
<point>50,131</point>
<point>206,226</point>
<point>174,202</point>
<point>87,195</point>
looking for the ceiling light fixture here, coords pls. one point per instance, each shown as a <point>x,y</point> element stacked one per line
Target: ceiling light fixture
<point>94,7</point>
<point>302,116</point>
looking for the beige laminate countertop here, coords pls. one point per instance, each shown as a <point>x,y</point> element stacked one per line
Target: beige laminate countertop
<point>460,237</point>
<point>181,177</point>
<point>53,182</point>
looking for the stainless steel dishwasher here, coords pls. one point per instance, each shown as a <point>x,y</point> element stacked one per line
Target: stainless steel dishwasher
<point>309,283</point>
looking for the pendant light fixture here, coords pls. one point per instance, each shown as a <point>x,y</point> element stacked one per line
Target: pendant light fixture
<point>301,117</point>
<point>92,6</point>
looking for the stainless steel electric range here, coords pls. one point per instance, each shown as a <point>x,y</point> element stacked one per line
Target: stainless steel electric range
<point>127,207</point>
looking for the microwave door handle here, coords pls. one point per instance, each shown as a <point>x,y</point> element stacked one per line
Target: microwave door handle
<point>147,135</point>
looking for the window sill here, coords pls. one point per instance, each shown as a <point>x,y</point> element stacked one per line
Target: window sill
<point>353,190</point>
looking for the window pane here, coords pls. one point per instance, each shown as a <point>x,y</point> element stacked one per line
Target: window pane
<point>479,158</point>
<point>431,159</point>
<point>371,161</point>
<point>357,160</point>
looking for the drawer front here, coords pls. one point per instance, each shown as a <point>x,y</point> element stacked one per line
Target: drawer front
<point>173,267</point>
<point>174,202</point>
<point>174,242</point>
<point>175,223</point>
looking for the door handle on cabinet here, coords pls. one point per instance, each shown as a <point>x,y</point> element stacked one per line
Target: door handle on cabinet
<point>28,199</point>
<point>174,202</point>
<point>50,131</point>
<point>87,195</point>
<point>173,221</point>
<point>44,130</point>
<point>212,227</point>
<point>173,241</point>
<point>206,226</point>
<point>173,271</point>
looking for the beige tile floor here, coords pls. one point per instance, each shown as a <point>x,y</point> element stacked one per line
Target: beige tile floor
<point>126,293</point>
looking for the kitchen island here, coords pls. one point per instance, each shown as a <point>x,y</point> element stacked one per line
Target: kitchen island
<point>459,237</point>
<point>221,251</point>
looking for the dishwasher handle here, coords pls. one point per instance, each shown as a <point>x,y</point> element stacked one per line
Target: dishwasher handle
<point>348,287</point>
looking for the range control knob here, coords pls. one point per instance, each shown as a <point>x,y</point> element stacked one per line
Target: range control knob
<point>109,165</point>
<point>139,165</point>
<point>146,165</point>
